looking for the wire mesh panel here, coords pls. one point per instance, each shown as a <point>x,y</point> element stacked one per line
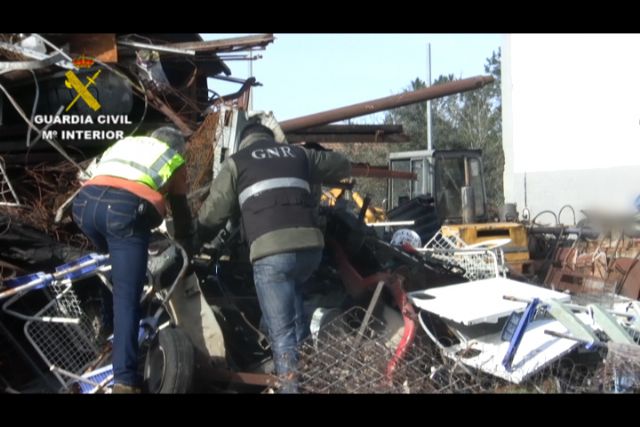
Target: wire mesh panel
<point>621,372</point>
<point>345,357</point>
<point>475,263</point>
<point>68,346</point>
<point>348,357</point>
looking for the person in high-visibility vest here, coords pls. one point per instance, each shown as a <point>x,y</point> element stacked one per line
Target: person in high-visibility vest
<point>117,209</point>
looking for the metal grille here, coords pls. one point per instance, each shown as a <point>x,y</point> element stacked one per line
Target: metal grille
<point>347,357</point>
<point>68,346</point>
<point>476,264</point>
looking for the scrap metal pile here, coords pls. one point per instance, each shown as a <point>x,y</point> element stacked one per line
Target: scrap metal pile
<point>389,316</point>
<point>142,81</point>
<point>341,360</point>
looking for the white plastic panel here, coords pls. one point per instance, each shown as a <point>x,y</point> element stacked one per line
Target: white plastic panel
<point>481,300</point>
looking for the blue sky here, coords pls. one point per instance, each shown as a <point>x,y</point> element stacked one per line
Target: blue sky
<point>309,73</point>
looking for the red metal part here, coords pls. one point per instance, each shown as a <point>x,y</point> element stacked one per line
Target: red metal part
<point>408,316</point>
<point>356,285</point>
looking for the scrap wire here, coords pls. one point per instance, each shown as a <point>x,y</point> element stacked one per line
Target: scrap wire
<point>31,125</point>
<point>43,188</point>
<point>329,364</point>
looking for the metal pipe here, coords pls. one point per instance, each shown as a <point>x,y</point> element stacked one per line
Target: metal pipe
<point>389,102</point>
<point>158,48</point>
<point>429,125</point>
<point>468,205</point>
<point>380,172</point>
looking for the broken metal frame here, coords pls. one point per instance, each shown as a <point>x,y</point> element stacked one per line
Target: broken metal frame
<point>477,327</point>
<point>567,329</point>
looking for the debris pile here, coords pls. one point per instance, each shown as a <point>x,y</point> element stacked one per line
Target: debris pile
<point>347,358</point>
<point>43,189</point>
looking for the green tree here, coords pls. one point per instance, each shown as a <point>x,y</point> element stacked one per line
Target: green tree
<point>466,120</point>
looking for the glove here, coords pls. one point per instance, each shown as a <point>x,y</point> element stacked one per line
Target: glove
<point>268,120</point>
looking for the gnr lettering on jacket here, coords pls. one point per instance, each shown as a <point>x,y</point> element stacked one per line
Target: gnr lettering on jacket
<point>270,153</point>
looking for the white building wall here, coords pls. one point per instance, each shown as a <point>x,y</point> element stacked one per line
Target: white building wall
<point>571,120</point>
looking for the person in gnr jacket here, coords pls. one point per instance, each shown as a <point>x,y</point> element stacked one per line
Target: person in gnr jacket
<point>117,209</point>
<point>268,184</point>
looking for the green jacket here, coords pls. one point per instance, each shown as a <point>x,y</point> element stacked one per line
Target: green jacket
<point>222,204</point>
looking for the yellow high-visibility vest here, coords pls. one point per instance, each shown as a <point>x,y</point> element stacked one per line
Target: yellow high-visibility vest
<point>142,159</point>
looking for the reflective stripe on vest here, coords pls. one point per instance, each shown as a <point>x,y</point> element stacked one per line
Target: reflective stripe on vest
<point>141,159</point>
<point>270,184</point>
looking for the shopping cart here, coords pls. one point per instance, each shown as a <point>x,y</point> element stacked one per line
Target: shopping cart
<point>482,260</point>
<point>60,331</point>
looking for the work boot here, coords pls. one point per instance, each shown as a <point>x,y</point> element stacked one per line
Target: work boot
<point>125,389</point>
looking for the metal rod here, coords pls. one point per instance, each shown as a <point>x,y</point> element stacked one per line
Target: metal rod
<point>157,48</point>
<point>235,44</point>
<point>380,172</point>
<point>389,102</point>
<point>429,135</point>
<point>367,316</point>
<point>571,337</point>
<point>6,177</point>
<point>391,223</point>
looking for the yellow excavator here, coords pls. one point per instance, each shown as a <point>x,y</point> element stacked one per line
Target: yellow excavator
<point>449,196</point>
<point>373,214</point>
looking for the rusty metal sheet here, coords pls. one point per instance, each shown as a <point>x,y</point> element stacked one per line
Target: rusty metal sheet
<point>99,46</point>
<point>589,273</point>
<point>575,273</point>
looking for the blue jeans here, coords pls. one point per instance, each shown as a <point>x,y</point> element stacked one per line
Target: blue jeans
<point>279,279</point>
<point>111,220</point>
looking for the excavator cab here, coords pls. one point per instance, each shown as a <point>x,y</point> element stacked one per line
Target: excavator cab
<point>449,195</point>
<point>453,178</point>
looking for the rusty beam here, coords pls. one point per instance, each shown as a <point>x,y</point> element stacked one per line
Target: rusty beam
<point>249,378</point>
<point>382,104</point>
<point>296,138</point>
<point>349,134</point>
<point>366,171</point>
<point>356,129</point>
<point>226,45</point>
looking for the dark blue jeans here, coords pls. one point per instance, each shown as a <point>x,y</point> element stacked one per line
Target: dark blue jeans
<point>111,219</point>
<point>279,280</point>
